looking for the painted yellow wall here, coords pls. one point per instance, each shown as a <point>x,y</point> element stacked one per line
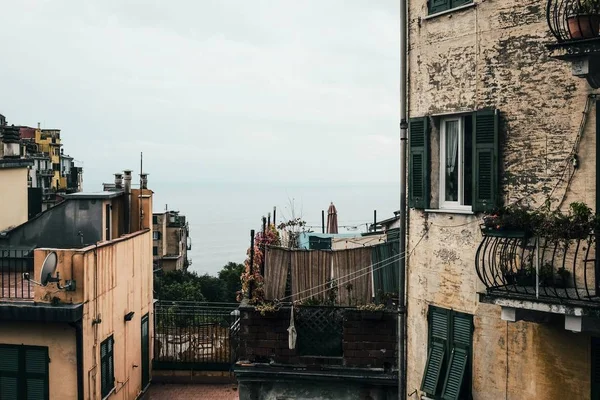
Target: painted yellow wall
<point>113,279</point>
<point>13,198</point>
<point>60,340</point>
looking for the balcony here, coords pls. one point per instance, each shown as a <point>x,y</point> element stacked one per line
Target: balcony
<point>355,348</point>
<point>530,276</point>
<point>576,26</point>
<point>13,264</point>
<point>45,172</point>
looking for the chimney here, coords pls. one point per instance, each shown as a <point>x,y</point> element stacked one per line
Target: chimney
<point>143,181</point>
<point>127,181</point>
<point>39,126</point>
<point>10,141</point>
<point>119,180</point>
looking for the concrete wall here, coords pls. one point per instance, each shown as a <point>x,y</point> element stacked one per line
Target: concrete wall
<point>494,55</point>
<point>13,197</point>
<point>60,340</point>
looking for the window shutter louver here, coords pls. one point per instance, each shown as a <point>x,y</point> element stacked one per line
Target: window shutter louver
<point>455,374</point>
<point>436,6</point>
<point>418,168</point>
<point>9,359</point>
<point>8,388</point>
<point>485,160</point>
<point>438,336</point>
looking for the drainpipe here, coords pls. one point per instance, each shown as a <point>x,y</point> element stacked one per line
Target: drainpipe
<point>403,214</point>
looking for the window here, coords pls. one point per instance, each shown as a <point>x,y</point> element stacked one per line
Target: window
<point>448,370</point>
<point>465,152</point>
<point>155,219</point>
<point>455,163</point>
<point>156,235</point>
<point>24,372</point>
<point>107,369</point>
<point>145,351</point>
<point>436,6</point>
<point>155,251</point>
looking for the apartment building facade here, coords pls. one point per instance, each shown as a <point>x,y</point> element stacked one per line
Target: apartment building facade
<point>81,329</point>
<point>171,241</point>
<point>499,116</point>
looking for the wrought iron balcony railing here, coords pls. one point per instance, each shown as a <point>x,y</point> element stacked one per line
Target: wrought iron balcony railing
<point>559,271</point>
<point>573,20</point>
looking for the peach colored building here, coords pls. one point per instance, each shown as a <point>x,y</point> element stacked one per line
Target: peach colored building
<point>86,333</point>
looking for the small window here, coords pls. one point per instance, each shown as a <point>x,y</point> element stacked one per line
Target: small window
<point>156,235</point>
<point>24,372</point>
<point>436,6</point>
<point>107,367</point>
<point>464,152</point>
<point>155,219</point>
<point>155,251</point>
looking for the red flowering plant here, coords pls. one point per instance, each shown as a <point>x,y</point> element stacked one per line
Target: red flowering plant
<point>251,277</point>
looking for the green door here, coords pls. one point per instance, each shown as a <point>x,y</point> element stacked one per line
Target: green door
<point>145,352</point>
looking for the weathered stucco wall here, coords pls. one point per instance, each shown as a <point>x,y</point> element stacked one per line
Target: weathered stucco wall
<point>60,340</point>
<point>113,279</point>
<point>494,55</point>
<point>13,197</point>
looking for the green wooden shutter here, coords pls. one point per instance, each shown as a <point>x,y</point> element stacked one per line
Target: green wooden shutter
<point>595,368</point>
<point>418,163</point>
<point>111,363</point>
<point>438,341</point>
<point>8,388</point>
<point>485,160</point>
<point>455,374</point>
<point>436,6</point>
<point>458,3</point>
<point>103,369</point>
<point>9,369</point>
<point>36,372</point>
<point>461,340</point>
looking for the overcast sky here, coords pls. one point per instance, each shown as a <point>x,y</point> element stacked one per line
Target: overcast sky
<point>224,90</point>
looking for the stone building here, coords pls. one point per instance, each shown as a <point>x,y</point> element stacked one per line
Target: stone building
<point>497,117</point>
<point>171,241</point>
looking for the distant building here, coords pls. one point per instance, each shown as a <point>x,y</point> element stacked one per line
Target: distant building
<point>86,332</point>
<point>51,172</point>
<point>171,241</point>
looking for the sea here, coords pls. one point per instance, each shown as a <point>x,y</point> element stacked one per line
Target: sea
<point>221,215</point>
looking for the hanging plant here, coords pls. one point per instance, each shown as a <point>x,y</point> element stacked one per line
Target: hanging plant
<point>251,277</point>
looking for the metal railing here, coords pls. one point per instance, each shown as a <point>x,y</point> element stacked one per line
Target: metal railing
<point>559,271</point>
<point>195,336</point>
<point>573,20</point>
<point>13,264</point>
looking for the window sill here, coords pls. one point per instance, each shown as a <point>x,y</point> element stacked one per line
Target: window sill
<point>439,14</point>
<point>449,211</point>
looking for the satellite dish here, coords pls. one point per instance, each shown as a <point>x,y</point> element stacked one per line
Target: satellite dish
<point>47,274</point>
<point>48,268</point>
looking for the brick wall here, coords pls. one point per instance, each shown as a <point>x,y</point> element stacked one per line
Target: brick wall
<point>367,343</point>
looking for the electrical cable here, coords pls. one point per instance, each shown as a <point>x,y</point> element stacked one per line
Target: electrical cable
<point>347,275</point>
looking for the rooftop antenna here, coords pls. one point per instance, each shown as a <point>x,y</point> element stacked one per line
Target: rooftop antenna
<point>46,274</point>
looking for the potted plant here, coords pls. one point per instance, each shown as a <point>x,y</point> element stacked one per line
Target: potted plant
<point>583,19</point>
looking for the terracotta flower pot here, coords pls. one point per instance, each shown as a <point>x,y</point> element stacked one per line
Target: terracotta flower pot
<point>583,26</point>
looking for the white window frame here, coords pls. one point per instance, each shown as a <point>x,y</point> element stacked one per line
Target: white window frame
<point>452,205</point>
